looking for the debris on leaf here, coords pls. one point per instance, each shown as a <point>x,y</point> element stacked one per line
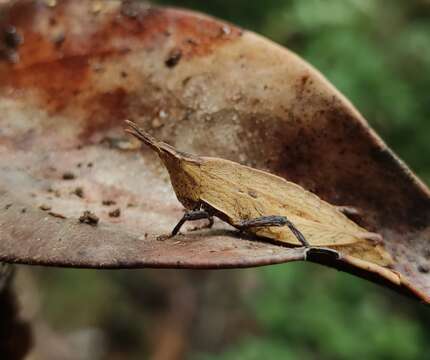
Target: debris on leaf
<point>89,218</point>
<point>115,213</point>
<point>57,215</point>
<point>68,175</point>
<point>45,207</point>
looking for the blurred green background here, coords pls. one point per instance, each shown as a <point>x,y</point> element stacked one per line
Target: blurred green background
<point>378,54</point>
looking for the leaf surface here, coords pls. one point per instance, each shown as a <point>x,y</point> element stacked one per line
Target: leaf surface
<point>205,87</point>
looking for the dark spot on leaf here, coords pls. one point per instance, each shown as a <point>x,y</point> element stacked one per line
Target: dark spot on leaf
<point>11,38</point>
<point>108,202</point>
<point>304,79</point>
<point>173,58</point>
<point>423,268</point>
<point>79,192</point>
<point>59,40</point>
<point>69,176</point>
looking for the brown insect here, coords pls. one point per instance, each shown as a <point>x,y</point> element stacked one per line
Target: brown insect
<point>260,203</point>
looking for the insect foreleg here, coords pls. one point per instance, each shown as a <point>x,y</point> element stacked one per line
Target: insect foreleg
<point>264,221</point>
<point>191,216</point>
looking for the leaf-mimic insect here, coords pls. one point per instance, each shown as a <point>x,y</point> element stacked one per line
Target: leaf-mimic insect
<point>260,203</point>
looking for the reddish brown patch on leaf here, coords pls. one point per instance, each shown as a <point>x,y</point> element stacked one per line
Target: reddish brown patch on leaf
<point>58,91</point>
<point>106,110</point>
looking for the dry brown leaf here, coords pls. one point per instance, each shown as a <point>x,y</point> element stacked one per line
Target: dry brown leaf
<point>72,74</point>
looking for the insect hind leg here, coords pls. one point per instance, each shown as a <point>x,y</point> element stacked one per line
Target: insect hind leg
<point>273,220</point>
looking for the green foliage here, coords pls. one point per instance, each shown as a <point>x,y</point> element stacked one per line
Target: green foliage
<point>60,288</point>
<point>248,14</point>
<point>308,312</point>
<point>334,315</point>
<point>74,299</point>
<point>256,349</point>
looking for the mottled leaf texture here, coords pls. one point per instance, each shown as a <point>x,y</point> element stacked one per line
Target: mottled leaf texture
<point>72,72</point>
